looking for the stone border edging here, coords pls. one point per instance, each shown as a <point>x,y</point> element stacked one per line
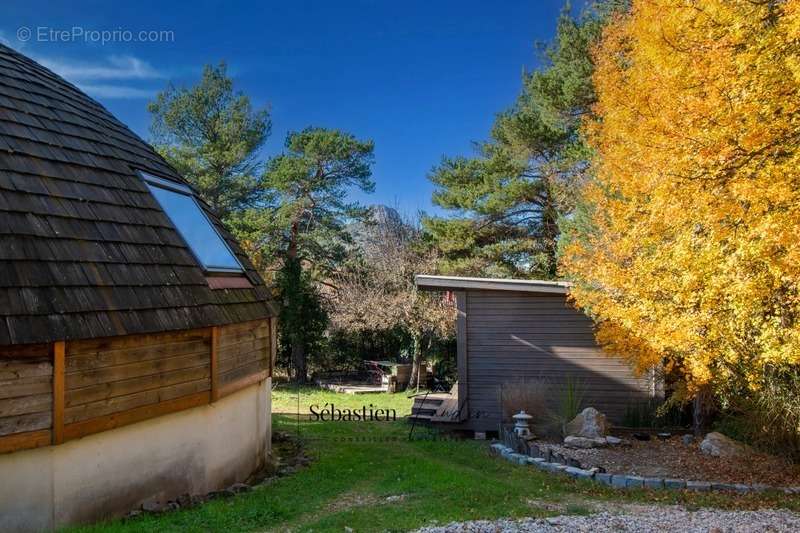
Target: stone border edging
<point>627,481</point>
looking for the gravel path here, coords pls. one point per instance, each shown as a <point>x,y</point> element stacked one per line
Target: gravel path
<point>652,519</point>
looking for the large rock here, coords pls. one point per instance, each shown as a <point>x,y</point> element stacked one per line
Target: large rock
<point>589,423</point>
<point>719,445</point>
<point>584,442</point>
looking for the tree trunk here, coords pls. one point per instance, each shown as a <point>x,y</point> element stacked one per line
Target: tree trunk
<point>293,233</point>
<point>549,228</point>
<point>298,348</point>
<point>417,361</point>
<point>299,361</point>
<point>702,409</point>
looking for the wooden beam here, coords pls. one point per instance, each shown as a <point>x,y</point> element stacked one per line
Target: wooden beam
<point>214,363</point>
<point>124,418</point>
<point>25,441</point>
<point>455,283</point>
<point>273,337</point>
<point>58,391</point>
<point>25,350</point>
<point>137,341</point>
<point>242,383</point>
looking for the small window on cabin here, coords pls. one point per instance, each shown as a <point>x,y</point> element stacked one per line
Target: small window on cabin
<point>182,208</point>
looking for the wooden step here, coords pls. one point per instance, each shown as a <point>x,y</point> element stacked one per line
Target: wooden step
<point>430,404</point>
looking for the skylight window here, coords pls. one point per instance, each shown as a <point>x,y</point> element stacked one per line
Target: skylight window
<point>182,208</point>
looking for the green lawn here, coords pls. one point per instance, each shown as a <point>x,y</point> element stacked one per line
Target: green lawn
<point>359,465</point>
<point>286,398</point>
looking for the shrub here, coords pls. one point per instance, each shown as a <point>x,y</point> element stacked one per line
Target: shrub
<point>638,415</point>
<point>655,414</point>
<point>767,416</point>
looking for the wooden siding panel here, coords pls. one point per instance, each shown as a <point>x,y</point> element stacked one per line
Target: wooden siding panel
<point>104,423</point>
<point>94,393</point>
<point>242,358</point>
<point>524,336</point>
<point>103,359</point>
<point>17,369</point>
<point>228,354</point>
<point>244,350</point>
<point>108,377</point>
<point>273,332</point>
<point>24,387</point>
<point>154,367</point>
<point>26,422</point>
<point>25,404</point>
<point>101,346</point>
<point>26,390</point>
<point>236,333</point>
<point>241,372</point>
<point>106,383</point>
<point>128,402</point>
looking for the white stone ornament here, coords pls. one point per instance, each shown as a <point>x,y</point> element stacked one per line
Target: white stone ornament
<point>522,424</point>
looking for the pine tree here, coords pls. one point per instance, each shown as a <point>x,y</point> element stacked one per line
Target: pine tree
<point>306,228</point>
<point>211,135</point>
<point>508,200</point>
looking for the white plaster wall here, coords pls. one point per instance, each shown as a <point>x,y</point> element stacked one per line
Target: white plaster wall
<point>110,473</point>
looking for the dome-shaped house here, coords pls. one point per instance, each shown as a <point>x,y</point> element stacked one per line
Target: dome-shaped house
<point>136,339</point>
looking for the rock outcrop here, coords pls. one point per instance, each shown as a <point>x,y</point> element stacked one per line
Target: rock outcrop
<point>590,423</point>
<point>718,445</point>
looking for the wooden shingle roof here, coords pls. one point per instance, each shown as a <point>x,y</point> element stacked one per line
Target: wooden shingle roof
<point>85,250</point>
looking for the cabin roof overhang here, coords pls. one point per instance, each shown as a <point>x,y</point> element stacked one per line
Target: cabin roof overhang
<point>455,283</point>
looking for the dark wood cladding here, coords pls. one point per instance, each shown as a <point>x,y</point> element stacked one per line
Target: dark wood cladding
<point>101,384</point>
<point>26,390</point>
<point>115,375</point>
<point>512,336</point>
<point>26,397</point>
<point>244,350</point>
<point>85,250</point>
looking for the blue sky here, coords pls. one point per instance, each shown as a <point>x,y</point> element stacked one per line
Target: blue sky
<point>422,79</point>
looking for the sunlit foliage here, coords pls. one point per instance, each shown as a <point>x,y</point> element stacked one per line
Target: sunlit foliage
<point>686,245</point>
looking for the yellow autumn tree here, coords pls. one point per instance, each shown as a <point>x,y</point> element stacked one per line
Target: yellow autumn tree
<point>687,246</point>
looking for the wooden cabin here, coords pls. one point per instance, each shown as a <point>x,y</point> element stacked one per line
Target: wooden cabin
<point>516,331</point>
<point>136,339</point>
